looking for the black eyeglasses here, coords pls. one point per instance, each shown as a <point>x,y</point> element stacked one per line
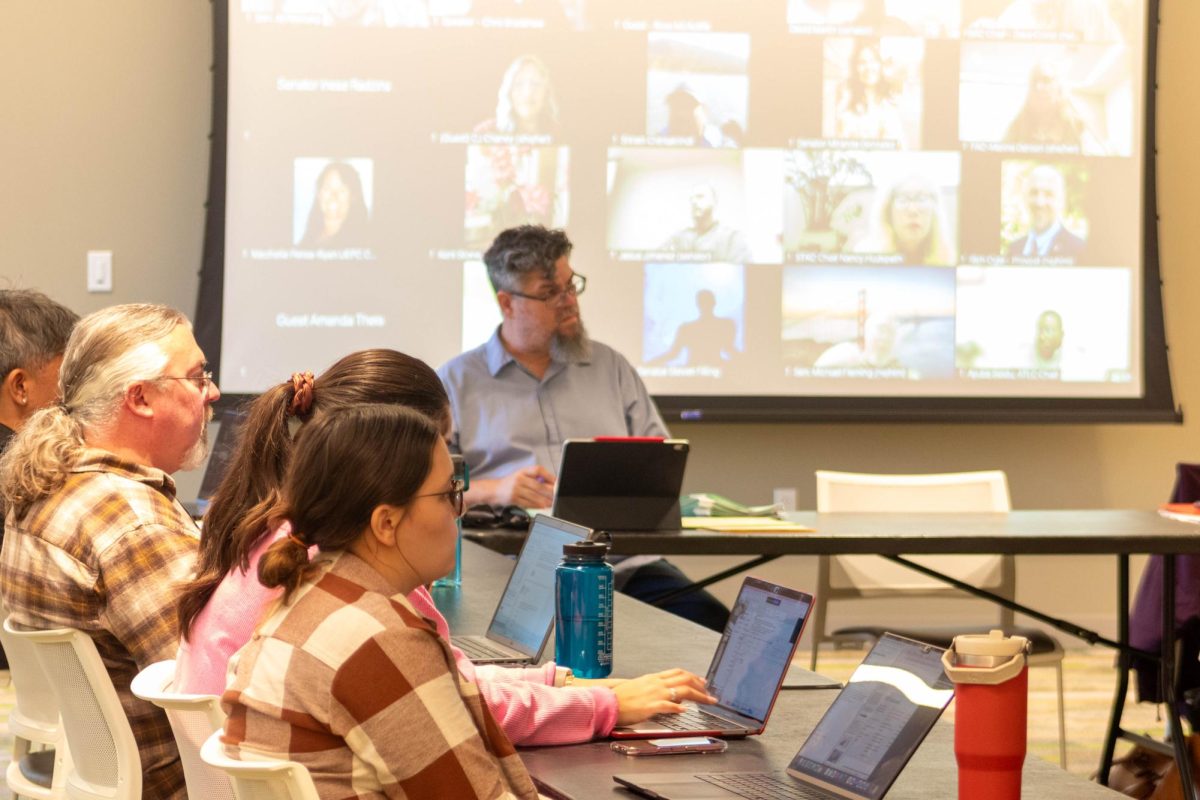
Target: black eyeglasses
<point>454,495</point>
<point>200,381</point>
<point>574,288</point>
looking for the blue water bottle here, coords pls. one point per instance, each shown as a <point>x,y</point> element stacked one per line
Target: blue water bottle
<point>454,578</point>
<point>583,615</point>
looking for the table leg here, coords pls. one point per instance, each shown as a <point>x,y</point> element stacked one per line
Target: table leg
<point>1183,758</point>
<point>1123,666</point>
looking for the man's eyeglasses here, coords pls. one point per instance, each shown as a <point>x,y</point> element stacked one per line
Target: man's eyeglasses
<point>574,288</point>
<point>200,381</point>
<point>454,494</point>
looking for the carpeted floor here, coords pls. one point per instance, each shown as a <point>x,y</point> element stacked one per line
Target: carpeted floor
<point>1088,681</point>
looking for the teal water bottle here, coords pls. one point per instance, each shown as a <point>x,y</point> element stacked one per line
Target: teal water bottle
<point>454,577</point>
<point>583,618</point>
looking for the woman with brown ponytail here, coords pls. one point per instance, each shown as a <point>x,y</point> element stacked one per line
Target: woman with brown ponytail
<point>220,608</point>
<point>344,674</point>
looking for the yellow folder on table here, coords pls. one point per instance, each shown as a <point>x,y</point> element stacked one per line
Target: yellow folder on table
<point>743,525</point>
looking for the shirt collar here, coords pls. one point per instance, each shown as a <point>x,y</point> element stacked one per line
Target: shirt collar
<point>96,460</point>
<point>498,357</point>
<point>1041,241</point>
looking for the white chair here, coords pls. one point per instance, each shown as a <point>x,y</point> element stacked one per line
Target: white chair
<point>856,577</point>
<point>193,719</point>
<point>263,778</point>
<point>33,720</point>
<point>105,764</point>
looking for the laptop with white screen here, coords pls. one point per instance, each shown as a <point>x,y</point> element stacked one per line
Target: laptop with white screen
<point>747,670</point>
<point>859,747</point>
<point>524,617</point>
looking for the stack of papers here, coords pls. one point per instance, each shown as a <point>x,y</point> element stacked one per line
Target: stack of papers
<point>743,525</point>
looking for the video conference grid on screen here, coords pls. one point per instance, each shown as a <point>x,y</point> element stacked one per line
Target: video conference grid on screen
<point>784,197</point>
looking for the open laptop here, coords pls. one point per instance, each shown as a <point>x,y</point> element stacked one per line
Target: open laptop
<point>524,616</point>
<point>747,670</point>
<point>229,424</point>
<point>621,483</point>
<point>859,747</point>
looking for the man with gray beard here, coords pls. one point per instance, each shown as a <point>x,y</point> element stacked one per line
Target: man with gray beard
<point>540,381</point>
<point>96,539</point>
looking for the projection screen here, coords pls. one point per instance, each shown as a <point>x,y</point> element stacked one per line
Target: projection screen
<point>784,209</point>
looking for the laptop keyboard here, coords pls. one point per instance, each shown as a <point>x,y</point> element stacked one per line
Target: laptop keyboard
<point>477,650</point>
<point>759,786</point>
<point>693,719</point>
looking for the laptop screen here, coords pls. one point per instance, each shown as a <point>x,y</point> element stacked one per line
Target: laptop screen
<point>526,608</point>
<point>756,647</point>
<point>879,720</point>
<point>229,424</point>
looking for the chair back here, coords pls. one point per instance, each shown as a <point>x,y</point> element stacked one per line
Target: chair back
<point>193,719</point>
<point>105,761</point>
<point>33,719</point>
<point>954,492</point>
<point>261,778</point>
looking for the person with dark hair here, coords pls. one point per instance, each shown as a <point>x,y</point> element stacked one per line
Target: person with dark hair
<point>866,102</point>
<point>538,381</point>
<point>1047,116</point>
<point>218,611</point>
<point>95,537</point>
<point>345,676</point>
<point>33,335</point>
<point>338,216</point>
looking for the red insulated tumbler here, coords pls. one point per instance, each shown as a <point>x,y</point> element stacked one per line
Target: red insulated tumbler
<point>991,688</point>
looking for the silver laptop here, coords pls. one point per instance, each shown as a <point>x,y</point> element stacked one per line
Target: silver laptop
<point>747,670</point>
<point>859,747</point>
<point>521,625</point>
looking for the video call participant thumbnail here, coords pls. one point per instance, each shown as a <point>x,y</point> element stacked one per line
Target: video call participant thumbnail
<point>540,380</point>
<point>337,216</point>
<point>707,234</point>
<point>1044,194</point>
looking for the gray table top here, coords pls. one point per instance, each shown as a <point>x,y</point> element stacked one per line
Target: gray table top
<point>1086,532</point>
<point>645,639</point>
<point>585,771</point>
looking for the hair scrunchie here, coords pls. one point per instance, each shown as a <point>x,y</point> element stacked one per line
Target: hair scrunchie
<point>302,394</point>
<point>294,539</point>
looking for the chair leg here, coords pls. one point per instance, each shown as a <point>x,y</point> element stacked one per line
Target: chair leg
<point>1062,718</point>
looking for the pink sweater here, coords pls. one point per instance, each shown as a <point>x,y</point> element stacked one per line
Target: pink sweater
<point>524,700</point>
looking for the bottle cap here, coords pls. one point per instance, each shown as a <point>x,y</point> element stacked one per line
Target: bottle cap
<point>993,643</point>
<point>586,549</point>
<point>989,658</point>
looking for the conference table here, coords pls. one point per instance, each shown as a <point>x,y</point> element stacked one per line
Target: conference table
<point>1119,533</point>
<point>647,639</point>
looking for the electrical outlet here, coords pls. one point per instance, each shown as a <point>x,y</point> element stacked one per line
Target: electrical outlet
<point>99,271</point>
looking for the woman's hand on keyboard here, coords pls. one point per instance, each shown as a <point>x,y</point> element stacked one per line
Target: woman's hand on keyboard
<point>658,693</point>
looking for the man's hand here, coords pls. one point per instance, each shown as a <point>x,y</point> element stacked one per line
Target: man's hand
<point>528,487</point>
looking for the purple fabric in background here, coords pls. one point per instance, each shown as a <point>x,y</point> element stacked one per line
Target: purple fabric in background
<point>1145,620</point>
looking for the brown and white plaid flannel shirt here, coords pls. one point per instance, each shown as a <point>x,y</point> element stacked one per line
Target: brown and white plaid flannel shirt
<point>104,554</point>
<point>349,680</point>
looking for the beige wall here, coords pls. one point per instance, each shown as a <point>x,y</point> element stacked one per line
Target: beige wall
<point>106,108</point>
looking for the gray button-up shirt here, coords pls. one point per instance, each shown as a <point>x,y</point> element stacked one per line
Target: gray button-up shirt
<point>505,418</point>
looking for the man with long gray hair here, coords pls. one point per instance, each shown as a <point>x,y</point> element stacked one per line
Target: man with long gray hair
<point>96,538</point>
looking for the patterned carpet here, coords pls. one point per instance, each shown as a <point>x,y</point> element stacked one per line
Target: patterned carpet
<point>1088,682</point>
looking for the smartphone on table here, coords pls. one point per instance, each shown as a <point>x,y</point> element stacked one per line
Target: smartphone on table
<point>664,747</point>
